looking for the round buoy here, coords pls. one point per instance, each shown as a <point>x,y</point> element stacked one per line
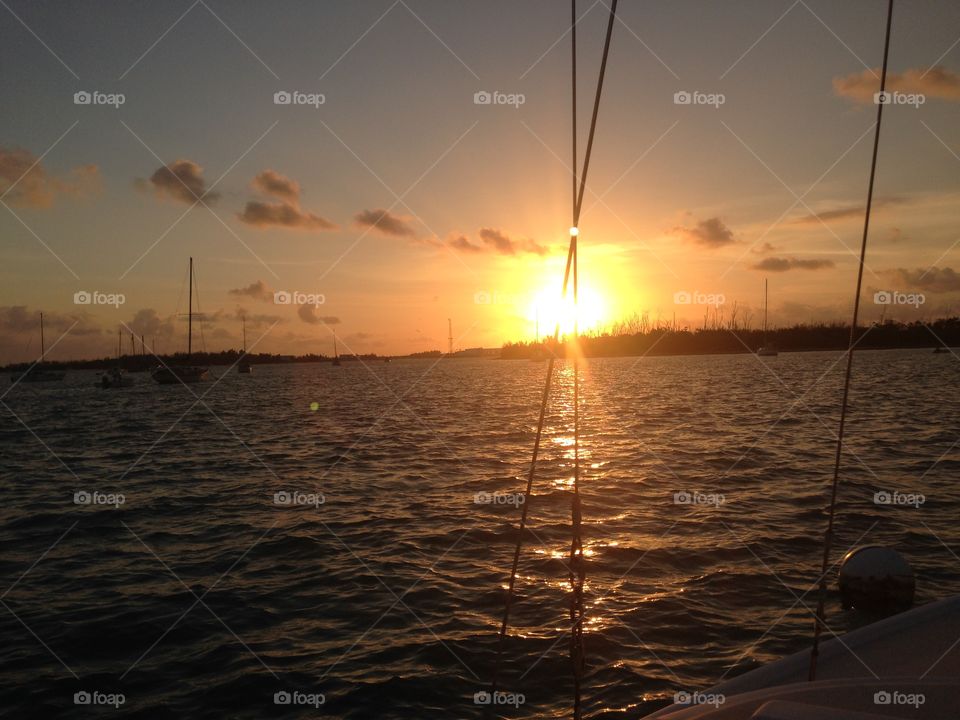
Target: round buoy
<point>876,579</point>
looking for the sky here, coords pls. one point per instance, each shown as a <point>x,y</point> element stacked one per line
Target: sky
<point>387,196</point>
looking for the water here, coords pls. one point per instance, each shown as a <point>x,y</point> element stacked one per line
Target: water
<point>201,597</point>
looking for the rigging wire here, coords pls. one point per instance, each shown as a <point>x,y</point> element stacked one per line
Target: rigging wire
<point>577,570</point>
<point>828,537</point>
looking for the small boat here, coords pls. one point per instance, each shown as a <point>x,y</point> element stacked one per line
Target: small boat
<point>336,358</point>
<point>37,372</point>
<point>767,349</point>
<point>170,375</point>
<point>244,367</point>
<point>116,377</point>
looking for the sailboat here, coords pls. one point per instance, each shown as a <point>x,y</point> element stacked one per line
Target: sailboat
<point>336,357</point>
<point>170,374</point>
<point>36,372</point>
<point>244,365</point>
<point>766,349</point>
<point>116,377</point>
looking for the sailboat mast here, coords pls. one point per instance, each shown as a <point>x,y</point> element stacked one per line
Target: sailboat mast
<point>243,324</point>
<point>766,296</point>
<point>190,314</point>
<point>450,336</point>
<point>42,348</point>
<point>334,344</point>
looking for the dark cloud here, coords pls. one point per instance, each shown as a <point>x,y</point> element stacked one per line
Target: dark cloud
<point>710,233</point>
<point>284,215</point>
<point>461,243</point>
<point>385,222</point>
<point>270,182</point>
<point>500,242</point>
<point>782,264</point>
<point>937,82</point>
<point>764,249</point>
<point>18,319</point>
<point>308,313</point>
<point>26,183</point>
<point>182,181</point>
<point>850,211</point>
<point>934,279</point>
<point>258,290</point>
<point>148,323</point>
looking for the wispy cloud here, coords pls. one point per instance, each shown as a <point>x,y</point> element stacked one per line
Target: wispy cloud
<point>258,290</point>
<point>936,280</point>
<point>709,233</point>
<point>386,222</point>
<point>286,213</point>
<point>782,264</point>
<point>938,82</point>
<point>308,313</point>
<point>26,183</point>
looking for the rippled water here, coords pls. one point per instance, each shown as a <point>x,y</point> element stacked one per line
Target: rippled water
<point>201,597</point>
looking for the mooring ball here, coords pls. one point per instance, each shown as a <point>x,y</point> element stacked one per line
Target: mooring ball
<point>876,579</point>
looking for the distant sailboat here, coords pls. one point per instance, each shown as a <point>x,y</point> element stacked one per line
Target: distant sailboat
<point>244,365</point>
<point>36,372</point>
<point>116,377</point>
<point>168,375</point>
<point>766,349</point>
<point>336,357</point>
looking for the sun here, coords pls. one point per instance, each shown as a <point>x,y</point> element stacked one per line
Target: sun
<point>548,308</point>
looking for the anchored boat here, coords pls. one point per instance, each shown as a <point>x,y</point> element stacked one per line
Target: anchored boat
<point>171,374</point>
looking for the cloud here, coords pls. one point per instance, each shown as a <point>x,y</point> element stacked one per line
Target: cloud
<point>934,279</point>
<point>461,243</point>
<point>26,182</point>
<point>385,222</point>
<point>18,319</point>
<point>764,249</point>
<point>284,214</point>
<point>181,181</point>
<point>148,323</point>
<point>847,212</point>
<point>308,313</point>
<point>710,233</point>
<point>938,82</point>
<point>270,182</point>
<point>258,290</point>
<point>499,242</point>
<point>782,264</point>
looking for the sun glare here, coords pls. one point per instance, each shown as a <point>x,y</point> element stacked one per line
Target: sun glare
<point>549,307</point>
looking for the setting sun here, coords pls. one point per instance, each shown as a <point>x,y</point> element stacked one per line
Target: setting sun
<point>548,308</point>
